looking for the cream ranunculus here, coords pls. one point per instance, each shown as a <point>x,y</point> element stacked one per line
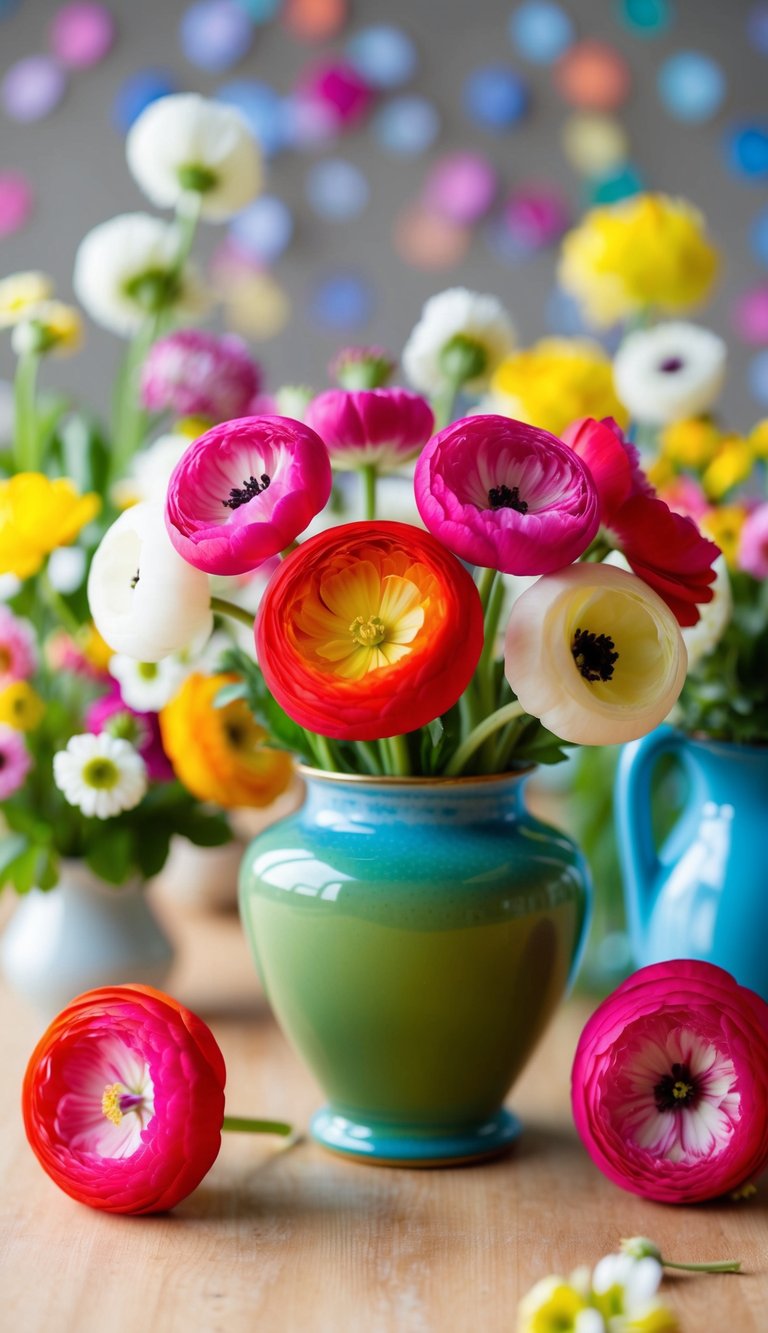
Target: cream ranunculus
<point>146,601</point>
<point>459,340</point>
<point>188,145</point>
<point>595,654</point>
<point>127,269</point>
<point>670,372</point>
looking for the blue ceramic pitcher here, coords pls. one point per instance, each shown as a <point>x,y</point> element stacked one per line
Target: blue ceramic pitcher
<point>704,894</point>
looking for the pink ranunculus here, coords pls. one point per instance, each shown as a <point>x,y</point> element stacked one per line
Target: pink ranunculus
<point>506,495</point>
<point>110,708</point>
<point>18,649</point>
<point>15,761</point>
<point>382,427</point>
<point>194,373</point>
<point>244,491</point>
<point>670,1083</point>
<point>664,549</point>
<point>124,1100</point>
<point>753,543</point>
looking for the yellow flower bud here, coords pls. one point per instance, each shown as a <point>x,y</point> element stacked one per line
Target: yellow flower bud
<point>731,465</point>
<point>690,444</point>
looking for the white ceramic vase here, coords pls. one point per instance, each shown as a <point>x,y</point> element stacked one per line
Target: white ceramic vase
<point>82,934</point>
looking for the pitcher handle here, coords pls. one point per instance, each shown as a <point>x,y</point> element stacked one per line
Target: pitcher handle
<point>639,859</point>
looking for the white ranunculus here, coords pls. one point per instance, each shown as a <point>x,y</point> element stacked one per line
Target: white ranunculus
<point>714,617</point>
<point>595,654</point>
<point>186,144</point>
<point>478,322</point>
<point>126,269</point>
<point>151,469</point>
<point>145,600</point>
<point>670,372</point>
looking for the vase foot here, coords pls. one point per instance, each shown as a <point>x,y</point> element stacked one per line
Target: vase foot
<point>383,1146</point>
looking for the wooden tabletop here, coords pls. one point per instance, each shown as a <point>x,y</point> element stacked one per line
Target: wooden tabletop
<point>299,1241</point>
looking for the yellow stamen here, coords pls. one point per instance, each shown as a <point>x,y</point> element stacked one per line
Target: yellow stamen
<point>368,633</point>
<point>110,1102</point>
<point>681,1090</point>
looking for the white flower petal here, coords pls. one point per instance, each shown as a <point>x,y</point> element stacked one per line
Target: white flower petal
<point>452,312</point>
<point>669,372</point>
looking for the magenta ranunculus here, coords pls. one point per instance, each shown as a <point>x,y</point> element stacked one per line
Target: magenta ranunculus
<point>753,543</point>
<point>244,491</point>
<point>382,427</point>
<point>124,1100</point>
<point>670,1083</point>
<point>195,373</point>
<point>506,495</point>
<point>111,708</point>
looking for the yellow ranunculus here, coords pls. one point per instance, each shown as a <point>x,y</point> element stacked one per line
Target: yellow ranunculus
<point>645,251</point>
<point>730,466</point>
<point>555,382</point>
<point>691,443</point>
<point>218,753</point>
<point>21,706</point>
<point>758,439</point>
<point>723,524</point>
<point>52,326</point>
<point>38,515</point>
<point>20,294</point>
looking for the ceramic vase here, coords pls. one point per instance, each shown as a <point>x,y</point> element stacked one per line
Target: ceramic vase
<point>703,893</point>
<point>414,937</point>
<point>82,934</point>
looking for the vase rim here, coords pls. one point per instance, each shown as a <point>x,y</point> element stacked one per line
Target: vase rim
<point>398,780</point>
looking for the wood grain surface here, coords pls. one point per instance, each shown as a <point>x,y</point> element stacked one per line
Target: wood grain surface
<point>298,1241</point>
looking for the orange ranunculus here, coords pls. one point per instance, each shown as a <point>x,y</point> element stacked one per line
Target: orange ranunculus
<point>218,752</point>
<point>369,630</point>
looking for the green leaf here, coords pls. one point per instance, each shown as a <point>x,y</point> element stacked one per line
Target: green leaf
<point>205,830</point>
<point>11,848</point>
<point>228,694</point>
<point>152,848</point>
<point>111,853</point>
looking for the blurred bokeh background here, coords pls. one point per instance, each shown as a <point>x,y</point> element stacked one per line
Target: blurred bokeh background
<point>465,138</point>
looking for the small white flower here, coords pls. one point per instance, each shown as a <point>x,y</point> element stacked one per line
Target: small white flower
<point>700,639</point>
<point>634,1281</point>
<point>100,775</point>
<point>186,144</point>
<point>126,269</point>
<point>151,469</point>
<point>66,568</point>
<point>145,600</point>
<point>148,686</point>
<point>457,321</point>
<point>670,372</point>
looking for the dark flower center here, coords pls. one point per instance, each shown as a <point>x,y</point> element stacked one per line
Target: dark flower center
<point>505,497</point>
<point>676,1089</point>
<point>671,364</point>
<point>594,654</point>
<point>240,495</point>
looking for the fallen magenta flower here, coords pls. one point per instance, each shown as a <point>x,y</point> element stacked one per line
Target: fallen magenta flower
<point>506,496</point>
<point>670,1083</point>
<point>123,1100</point>
<point>244,491</point>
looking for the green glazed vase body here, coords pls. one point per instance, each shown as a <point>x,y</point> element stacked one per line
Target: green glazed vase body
<point>414,938</point>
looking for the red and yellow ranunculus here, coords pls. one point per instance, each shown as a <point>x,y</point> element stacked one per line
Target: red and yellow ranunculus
<point>218,753</point>
<point>369,630</point>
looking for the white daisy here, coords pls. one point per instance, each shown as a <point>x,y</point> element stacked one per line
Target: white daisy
<point>715,616</point>
<point>149,686</point>
<point>186,144</point>
<point>670,372</point>
<point>101,775</point>
<point>126,269</point>
<point>458,330</point>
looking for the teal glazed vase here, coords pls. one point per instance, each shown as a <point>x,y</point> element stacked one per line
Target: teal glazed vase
<point>704,893</point>
<point>414,937</point>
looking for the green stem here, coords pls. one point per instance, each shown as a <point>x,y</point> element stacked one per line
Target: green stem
<point>223,607</point>
<point>443,405</point>
<point>57,604</point>
<point>720,1266</point>
<point>481,733</point>
<point>26,426</point>
<point>130,419</point>
<point>485,586</point>
<point>370,755</point>
<point>401,759</point>
<point>292,546</point>
<point>187,218</point>
<point>240,1124</point>
<point>369,477</point>
<point>325,754</point>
